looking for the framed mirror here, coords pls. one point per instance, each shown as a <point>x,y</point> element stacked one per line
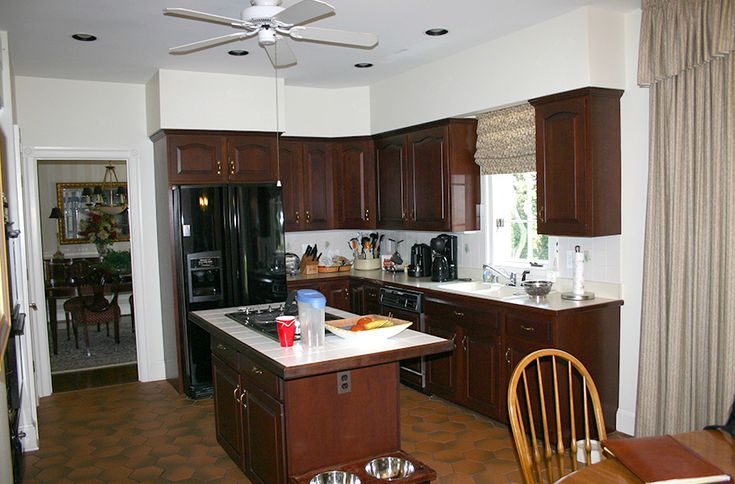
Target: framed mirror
<point>75,201</point>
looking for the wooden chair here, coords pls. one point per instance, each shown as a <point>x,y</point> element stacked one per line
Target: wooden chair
<point>550,398</point>
<point>95,309</point>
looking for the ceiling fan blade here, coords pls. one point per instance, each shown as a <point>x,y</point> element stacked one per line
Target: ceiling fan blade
<point>208,17</point>
<point>203,44</point>
<point>280,53</point>
<point>303,11</point>
<point>333,36</point>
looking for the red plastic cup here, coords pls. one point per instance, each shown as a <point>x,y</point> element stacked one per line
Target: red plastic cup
<point>286,329</point>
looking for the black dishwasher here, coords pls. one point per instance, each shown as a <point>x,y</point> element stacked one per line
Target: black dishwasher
<point>408,305</point>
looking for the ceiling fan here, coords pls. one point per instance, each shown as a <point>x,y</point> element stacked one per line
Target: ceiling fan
<point>272,23</point>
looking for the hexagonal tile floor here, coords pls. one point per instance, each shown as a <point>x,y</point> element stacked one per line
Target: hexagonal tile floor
<point>146,432</point>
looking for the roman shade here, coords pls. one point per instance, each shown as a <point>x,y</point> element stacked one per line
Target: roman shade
<point>506,140</point>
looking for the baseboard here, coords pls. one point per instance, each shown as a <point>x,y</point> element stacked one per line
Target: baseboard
<point>625,422</point>
<point>30,440</point>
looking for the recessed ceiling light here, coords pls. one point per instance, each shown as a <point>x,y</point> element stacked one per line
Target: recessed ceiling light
<point>84,37</point>
<point>436,32</point>
<point>238,52</point>
<point>363,65</point>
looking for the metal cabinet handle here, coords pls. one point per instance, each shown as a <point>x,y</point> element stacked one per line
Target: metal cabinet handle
<point>507,355</point>
<point>404,216</point>
<point>232,167</point>
<point>528,329</point>
<point>464,343</point>
<point>347,293</point>
<point>219,167</point>
<point>236,394</point>
<point>367,214</point>
<point>256,370</point>
<point>540,211</point>
<point>222,347</point>
<point>243,398</point>
<point>298,218</point>
<point>454,338</point>
<point>308,217</point>
<point>459,314</point>
<point>413,215</point>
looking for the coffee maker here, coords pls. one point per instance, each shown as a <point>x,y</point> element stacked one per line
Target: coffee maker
<point>420,261</point>
<point>444,253</point>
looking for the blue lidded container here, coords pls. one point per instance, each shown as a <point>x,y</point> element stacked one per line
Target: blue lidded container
<point>312,306</point>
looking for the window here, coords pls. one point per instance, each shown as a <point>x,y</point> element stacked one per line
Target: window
<point>512,237</point>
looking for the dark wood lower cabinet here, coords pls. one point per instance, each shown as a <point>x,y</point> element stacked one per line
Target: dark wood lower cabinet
<point>264,461</point>
<point>227,414</point>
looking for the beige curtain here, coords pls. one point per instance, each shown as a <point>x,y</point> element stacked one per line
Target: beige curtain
<point>687,352</point>
<point>506,140</point>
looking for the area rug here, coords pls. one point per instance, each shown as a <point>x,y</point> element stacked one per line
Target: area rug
<point>103,349</point>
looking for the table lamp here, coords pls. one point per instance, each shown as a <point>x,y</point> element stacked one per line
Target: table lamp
<point>57,215</point>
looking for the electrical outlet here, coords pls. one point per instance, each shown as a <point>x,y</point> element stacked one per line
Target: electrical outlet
<point>344,382</point>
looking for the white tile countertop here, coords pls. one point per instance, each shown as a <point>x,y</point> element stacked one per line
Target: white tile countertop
<point>336,355</point>
<point>552,302</point>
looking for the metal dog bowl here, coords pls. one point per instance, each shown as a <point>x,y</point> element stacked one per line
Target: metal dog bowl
<point>389,468</point>
<point>335,477</point>
<point>537,289</point>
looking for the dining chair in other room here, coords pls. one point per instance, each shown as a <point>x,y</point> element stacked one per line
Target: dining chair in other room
<point>554,409</point>
<point>95,308</point>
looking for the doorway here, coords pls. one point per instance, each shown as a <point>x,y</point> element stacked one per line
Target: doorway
<point>85,231</point>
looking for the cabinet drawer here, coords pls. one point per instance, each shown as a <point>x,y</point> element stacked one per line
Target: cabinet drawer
<point>264,379</point>
<point>486,321</point>
<point>528,327</point>
<point>225,352</point>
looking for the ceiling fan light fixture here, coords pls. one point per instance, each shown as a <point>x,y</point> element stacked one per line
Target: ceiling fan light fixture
<point>363,65</point>
<point>238,52</point>
<point>436,32</point>
<point>84,37</point>
<point>266,37</point>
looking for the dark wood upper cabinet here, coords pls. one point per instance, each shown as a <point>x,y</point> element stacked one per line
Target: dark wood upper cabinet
<point>307,179</point>
<point>427,177</point>
<point>201,157</point>
<point>251,158</point>
<point>195,159</point>
<point>354,184</point>
<point>578,162</point>
<point>391,160</point>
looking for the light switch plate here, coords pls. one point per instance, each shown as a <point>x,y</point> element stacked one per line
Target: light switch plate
<point>344,382</point>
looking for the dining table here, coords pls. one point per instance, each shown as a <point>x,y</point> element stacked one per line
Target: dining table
<point>716,446</point>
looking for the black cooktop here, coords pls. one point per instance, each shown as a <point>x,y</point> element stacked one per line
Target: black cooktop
<point>264,320</point>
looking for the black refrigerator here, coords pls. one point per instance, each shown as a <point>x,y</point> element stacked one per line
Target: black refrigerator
<point>230,251</point>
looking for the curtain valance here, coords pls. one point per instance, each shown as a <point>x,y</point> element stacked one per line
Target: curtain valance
<point>681,34</point>
<point>506,140</point>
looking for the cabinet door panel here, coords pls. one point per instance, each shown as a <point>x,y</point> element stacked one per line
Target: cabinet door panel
<point>337,294</point>
<point>252,158</point>
<point>390,159</point>
<point>482,391</point>
<point>227,416</point>
<point>317,186</point>
<point>196,159</point>
<point>429,180</point>
<point>291,168</point>
<point>265,460</point>
<point>561,140</point>
<point>355,185</point>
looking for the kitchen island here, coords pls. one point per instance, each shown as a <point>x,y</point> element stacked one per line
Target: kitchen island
<point>283,412</point>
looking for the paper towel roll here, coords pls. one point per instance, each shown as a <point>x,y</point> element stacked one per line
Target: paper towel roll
<point>578,279</point>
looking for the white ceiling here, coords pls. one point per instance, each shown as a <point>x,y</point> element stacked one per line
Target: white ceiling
<point>134,37</point>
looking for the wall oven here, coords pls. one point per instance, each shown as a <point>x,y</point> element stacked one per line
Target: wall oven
<point>408,305</point>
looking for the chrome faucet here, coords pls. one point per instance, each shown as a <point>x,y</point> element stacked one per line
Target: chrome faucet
<point>493,274</point>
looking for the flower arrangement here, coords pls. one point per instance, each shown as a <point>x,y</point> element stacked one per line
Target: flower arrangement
<point>100,229</point>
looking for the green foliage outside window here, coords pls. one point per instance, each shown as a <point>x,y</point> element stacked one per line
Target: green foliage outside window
<point>523,221</point>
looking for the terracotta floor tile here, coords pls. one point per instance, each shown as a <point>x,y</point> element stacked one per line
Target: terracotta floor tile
<point>146,432</point>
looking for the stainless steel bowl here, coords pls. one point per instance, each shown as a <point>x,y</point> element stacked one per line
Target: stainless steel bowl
<point>389,468</point>
<point>537,289</point>
<point>335,477</point>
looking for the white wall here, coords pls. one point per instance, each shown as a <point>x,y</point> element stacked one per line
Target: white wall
<point>98,115</point>
<point>549,57</point>
<point>327,112</point>
<point>585,47</point>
